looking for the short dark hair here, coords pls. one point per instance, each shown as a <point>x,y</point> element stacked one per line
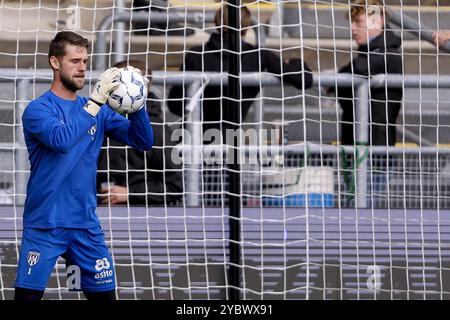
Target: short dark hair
<point>62,38</point>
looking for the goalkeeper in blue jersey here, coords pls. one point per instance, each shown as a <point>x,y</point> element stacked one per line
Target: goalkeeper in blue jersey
<point>64,133</point>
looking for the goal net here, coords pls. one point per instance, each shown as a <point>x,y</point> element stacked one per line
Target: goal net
<point>301,147</point>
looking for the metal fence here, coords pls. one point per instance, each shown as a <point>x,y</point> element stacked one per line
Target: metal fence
<point>401,178</point>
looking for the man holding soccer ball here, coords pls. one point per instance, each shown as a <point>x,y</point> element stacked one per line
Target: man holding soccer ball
<point>64,133</point>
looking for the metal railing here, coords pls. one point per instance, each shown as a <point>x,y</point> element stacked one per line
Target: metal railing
<point>412,26</point>
<point>194,81</point>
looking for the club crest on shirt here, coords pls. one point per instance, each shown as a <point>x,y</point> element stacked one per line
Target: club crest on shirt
<point>92,130</point>
<point>33,258</point>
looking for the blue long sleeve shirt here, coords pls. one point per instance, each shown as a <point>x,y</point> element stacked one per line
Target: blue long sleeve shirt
<point>64,143</point>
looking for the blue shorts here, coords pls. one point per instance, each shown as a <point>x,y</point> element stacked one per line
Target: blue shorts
<point>85,253</point>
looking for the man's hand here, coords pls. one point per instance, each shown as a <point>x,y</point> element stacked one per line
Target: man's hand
<point>114,195</point>
<point>441,37</point>
<point>102,90</point>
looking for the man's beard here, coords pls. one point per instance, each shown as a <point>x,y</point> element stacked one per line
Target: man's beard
<point>69,84</point>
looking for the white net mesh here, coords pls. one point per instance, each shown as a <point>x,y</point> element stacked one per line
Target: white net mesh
<point>342,182</point>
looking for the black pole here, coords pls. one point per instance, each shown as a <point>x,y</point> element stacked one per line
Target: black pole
<point>233,111</point>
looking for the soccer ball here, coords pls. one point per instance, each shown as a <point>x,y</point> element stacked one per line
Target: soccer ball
<point>131,93</point>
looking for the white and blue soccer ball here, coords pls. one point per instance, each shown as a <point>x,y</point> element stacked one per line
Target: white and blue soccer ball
<point>131,93</point>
